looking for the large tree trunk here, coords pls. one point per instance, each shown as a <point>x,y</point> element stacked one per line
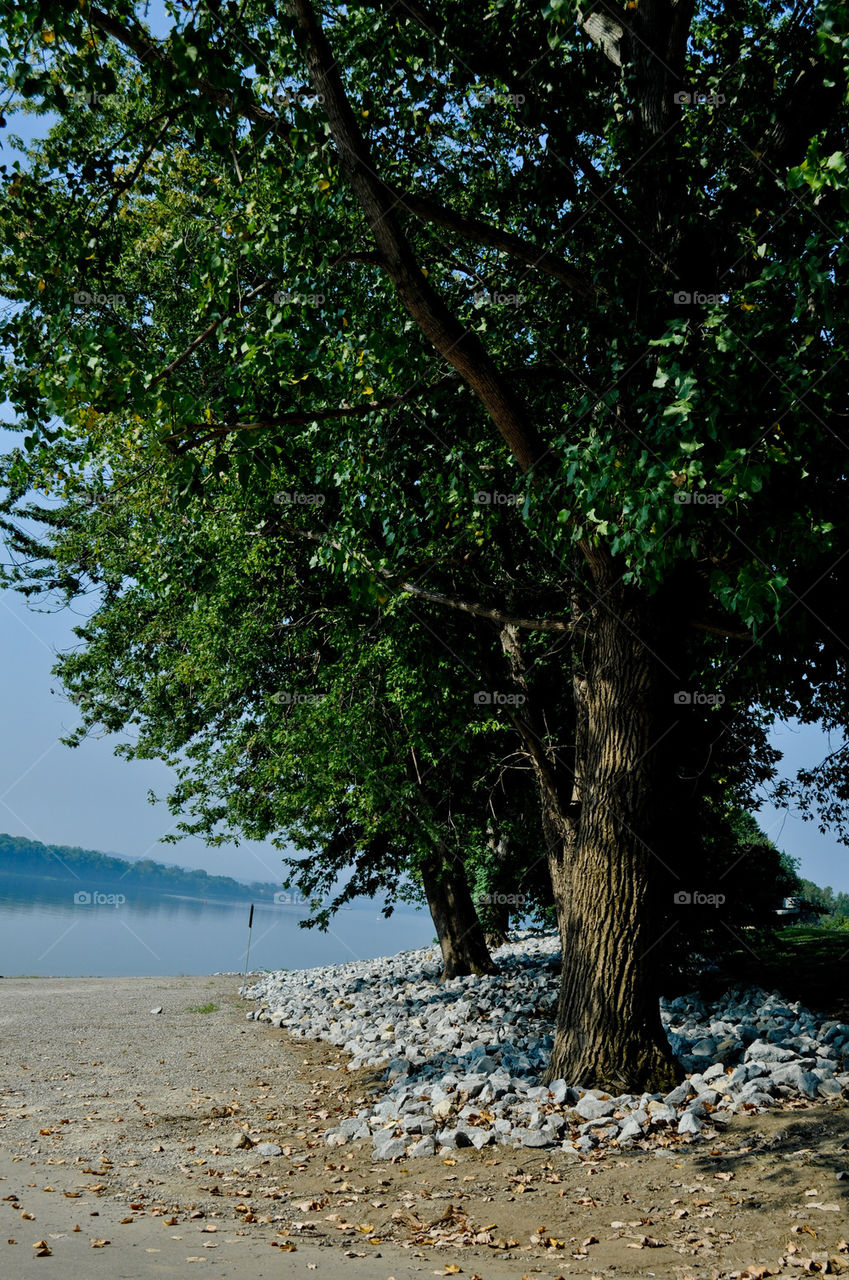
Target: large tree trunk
<point>458,929</point>
<point>609,874</point>
<point>603,816</point>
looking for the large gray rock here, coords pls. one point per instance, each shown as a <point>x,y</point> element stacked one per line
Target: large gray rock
<point>592,1108</point>
<point>424,1147</point>
<point>760,1051</point>
<point>389,1148</point>
<point>629,1131</point>
<point>793,1076</point>
<point>534,1137</point>
<point>482,1138</point>
<point>679,1095</point>
<point>560,1092</point>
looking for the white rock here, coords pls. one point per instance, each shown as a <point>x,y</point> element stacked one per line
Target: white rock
<point>593,1108</point>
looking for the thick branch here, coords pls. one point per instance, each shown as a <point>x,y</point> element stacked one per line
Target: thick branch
<point>505,241</point>
<point>545,767</point>
<point>301,417</point>
<point>493,615</point>
<point>713,630</point>
<point>298,418</point>
<point>462,349</point>
<point>434,597</point>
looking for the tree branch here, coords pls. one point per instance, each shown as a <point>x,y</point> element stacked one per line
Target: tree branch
<point>492,615</point>
<point>303,417</point>
<point>713,630</point>
<point>494,237</point>
<point>461,348</point>
<point>148,50</point>
<point>434,597</point>
<point>298,418</point>
<point>210,329</point>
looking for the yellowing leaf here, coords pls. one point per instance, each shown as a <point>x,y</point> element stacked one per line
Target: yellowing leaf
<point>323,184</point>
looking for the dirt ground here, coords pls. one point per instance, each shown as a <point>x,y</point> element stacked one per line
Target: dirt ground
<point>117,1133</point>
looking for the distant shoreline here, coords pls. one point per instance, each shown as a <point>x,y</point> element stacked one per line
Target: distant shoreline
<point>93,872</point>
<point>22,883</point>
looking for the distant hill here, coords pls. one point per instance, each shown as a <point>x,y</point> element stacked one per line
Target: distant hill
<point>103,872</point>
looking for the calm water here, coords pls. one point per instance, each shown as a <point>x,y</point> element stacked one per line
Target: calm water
<point>48,934</point>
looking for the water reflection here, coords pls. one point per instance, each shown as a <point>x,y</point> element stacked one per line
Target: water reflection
<point>58,929</point>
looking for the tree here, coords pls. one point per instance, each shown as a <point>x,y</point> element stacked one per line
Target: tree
<point>287,709</point>
<point>666,192</point>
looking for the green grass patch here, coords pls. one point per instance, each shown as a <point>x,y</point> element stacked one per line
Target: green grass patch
<point>204,1008</point>
<point>804,962</point>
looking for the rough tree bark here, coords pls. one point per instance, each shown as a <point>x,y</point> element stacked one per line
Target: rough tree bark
<point>458,928</point>
<point>600,816</point>
<point>607,879</point>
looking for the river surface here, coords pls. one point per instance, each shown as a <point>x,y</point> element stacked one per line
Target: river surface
<point>48,934</point>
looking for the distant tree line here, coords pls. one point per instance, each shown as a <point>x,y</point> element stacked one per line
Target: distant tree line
<point>836,904</point>
<point>20,857</point>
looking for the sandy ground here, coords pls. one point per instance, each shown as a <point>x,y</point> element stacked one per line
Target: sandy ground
<point>117,1154</point>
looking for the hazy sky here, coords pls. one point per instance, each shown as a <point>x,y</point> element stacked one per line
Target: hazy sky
<point>87,797</point>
